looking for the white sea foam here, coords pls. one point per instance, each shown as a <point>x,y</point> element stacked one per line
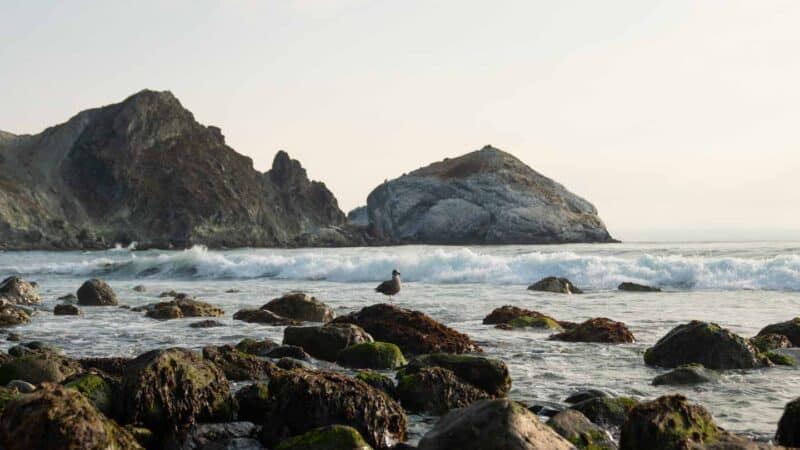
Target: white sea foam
<point>436,265</point>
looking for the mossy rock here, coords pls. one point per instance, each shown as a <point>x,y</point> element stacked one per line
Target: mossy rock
<point>326,341</point>
<point>789,426</point>
<point>668,423</point>
<point>487,374</point>
<point>580,431</point>
<point>378,381</point>
<point>372,355</point>
<point>435,390</point>
<point>545,323</point>
<point>258,348</point>
<point>780,359</point>
<point>98,389</point>
<point>686,374</point>
<point>790,329</point>
<point>7,395</point>
<point>334,437</point>
<point>253,401</point>
<point>598,329</point>
<point>40,367</point>
<point>238,365</point>
<point>771,341</point>
<point>704,343</point>
<point>606,411</point>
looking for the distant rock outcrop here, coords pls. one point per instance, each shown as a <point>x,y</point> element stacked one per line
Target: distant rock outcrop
<point>484,197</point>
<point>144,170</point>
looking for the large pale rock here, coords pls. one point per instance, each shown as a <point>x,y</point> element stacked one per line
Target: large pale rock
<point>17,290</point>
<point>300,306</point>
<point>484,197</point>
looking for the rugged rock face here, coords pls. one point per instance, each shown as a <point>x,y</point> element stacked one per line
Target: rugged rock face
<point>484,197</point>
<point>144,170</point>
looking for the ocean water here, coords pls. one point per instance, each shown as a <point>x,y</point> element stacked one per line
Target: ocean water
<point>741,286</point>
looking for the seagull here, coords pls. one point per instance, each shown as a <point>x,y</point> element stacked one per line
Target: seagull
<point>390,287</point>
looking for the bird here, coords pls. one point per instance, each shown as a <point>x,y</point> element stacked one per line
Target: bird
<point>390,287</point>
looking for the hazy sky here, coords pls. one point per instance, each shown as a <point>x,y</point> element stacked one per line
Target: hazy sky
<point>676,118</point>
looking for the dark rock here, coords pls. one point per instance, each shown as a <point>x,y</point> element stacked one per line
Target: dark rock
<point>606,411</point>
<point>414,332</point>
<point>789,426</point>
<point>38,367</point>
<point>686,375</point>
<point>333,437</point>
<point>556,285</point>
<point>435,390</point>
<point>149,395</point>
<point>546,409</point>
<point>183,307</point>
<point>253,402</point>
<point>18,291</point>
<point>172,293</point>
<point>300,401</point>
<point>372,355</point>
<point>599,329</point>
<point>300,306</point>
<point>580,431</point>
<point>96,293</point>
<point>634,287</point>
<point>222,436</point>
<point>139,288</point>
<point>289,351</point>
<point>69,298</point>
<point>668,423</point>
<point>206,324</point>
<point>34,347</point>
<point>378,381</point>
<point>287,363</point>
<point>12,315</point>
<point>492,424</point>
<point>507,313</point>
<point>263,316</point>
<point>113,366</point>
<point>14,337</point>
<point>587,394</point>
<point>771,341</point>
<point>97,388</point>
<point>484,197</point>
<point>258,348</point>
<point>56,418</point>
<point>238,365</point>
<point>790,329</point>
<point>703,343</point>
<point>67,310</point>
<point>489,375</point>
<point>325,341</point>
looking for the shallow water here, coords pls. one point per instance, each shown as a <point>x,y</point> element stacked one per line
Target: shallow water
<point>741,286</point>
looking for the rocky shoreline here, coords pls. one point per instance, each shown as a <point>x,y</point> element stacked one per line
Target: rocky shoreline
<point>299,394</point>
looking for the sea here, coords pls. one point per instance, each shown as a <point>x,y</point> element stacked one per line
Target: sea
<point>742,286</point>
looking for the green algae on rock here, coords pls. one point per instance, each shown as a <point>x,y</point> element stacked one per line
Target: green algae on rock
<point>435,390</point>
<point>333,437</point>
<point>372,355</point>
<point>667,423</point>
<point>487,374</point>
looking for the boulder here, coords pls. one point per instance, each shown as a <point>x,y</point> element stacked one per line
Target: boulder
<point>333,437</point>
<point>435,390</point>
<point>57,418</point>
<point>668,423</point>
<point>206,324</point>
<point>168,390</point>
<point>17,291</point>
<point>289,351</point>
<point>788,433</point>
<point>183,307</point>
<point>790,329</point>
<point>507,313</point>
<point>599,329</point>
<point>38,367</point>
<point>770,341</point>
<point>635,287</point>
<point>258,348</point>
<point>372,355</point>
<point>67,309</point>
<point>14,337</point>
<point>703,343</point>
<point>606,411</point>
<point>495,424</point>
<point>97,388</point>
<point>262,316</point>
<point>378,381</point>
<point>300,306</point>
<point>287,363</point>
<point>580,431</point>
<point>556,285</point>
<point>414,332</point>
<point>484,197</point>
<point>96,292</point>
<point>542,323</point>
<point>686,374</point>
<point>238,365</point>
<point>115,366</point>
<point>300,401</point>
<point>11,315</point>
<point>325,341</point>
<point>23,387</point>
<point>139,288</point>
<point>586,394</point>
<point>489,375</point>
<point>253,401</point>
<point>222,436</point>
<point>68,298</point>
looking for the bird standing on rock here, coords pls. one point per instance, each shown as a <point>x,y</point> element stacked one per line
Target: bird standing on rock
<point>390,287</point>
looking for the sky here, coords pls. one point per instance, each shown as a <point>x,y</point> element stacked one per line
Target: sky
<point>678,119</point>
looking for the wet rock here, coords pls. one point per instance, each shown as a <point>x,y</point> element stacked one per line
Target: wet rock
<point>544,408</point>
<point>372,355</point>
<point>580,431</point>
<point>606,411</point>
<point>238,365</point>
<point>788,433</point>
<point>687,374</point>
<point>32,347</point>
<point>771,341</point>
<point>139,288</point>
<point>300,401</point>
<point>554,284</point>
<point>378,381</point>
<point>67,310</point>
<point>300,306</point>
<point>668,423</point>
<point>790,329</point>
<point>435,390</point>
<point>172,293</point>
<point>167,390</point>
<point>114,366</point>
<point>289,351</point>
<point>253,401</point>
<point>778,358</point>
<point>587,394</point>
<point>23,387</point>
<point>325,341</point>
<point>500,424</point>
<point>634,287</point>
<point>17,291</point>
<point>414,332</point>
<point>38,367</point>
<point>222,436</point>
<point>69,298</point>
<point>206,324</point>
<point>14,337</point>
<point>703,343</point>
<point>11,315</point>
<point>543,323</point>
<point>600,330</point>
<point>489,375</point>
<point>287,363</point>
<point>258,348</point>
<point>183,307</point>
<point>54,418</point>
<point>96,292</point>
<point>507,313</point>
<point>262,316</point>
<point>98,389</point>
<point>333,437</point>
